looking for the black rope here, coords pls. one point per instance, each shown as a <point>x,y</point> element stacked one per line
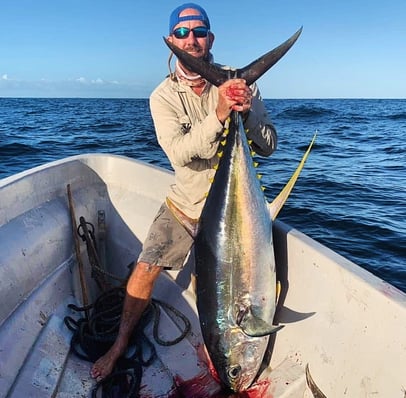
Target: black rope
<point>156,305</point>
<point>124,382</point>
<point>94,335</point>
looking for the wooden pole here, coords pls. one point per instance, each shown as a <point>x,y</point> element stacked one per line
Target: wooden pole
<point>85,296</point>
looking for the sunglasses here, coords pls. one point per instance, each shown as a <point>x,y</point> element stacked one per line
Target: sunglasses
<point>183,32</point>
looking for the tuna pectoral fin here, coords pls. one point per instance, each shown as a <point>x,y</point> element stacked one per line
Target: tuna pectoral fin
<point>279,201</point>
<point>254,326</point>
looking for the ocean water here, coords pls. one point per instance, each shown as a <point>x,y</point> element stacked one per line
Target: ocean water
<point>351,195</point>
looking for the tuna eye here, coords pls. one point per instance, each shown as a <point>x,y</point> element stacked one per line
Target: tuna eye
<point>234,371</point>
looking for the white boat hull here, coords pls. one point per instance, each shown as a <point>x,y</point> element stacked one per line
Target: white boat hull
<point>348,325</point>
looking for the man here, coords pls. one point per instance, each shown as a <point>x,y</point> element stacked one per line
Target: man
<point>189,116</point>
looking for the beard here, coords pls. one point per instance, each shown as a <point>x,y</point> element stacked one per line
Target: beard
<point>200,51</point>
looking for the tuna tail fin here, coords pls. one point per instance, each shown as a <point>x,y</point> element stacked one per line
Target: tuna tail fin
<point>279,201</point>
<point>254,326</point>
<point>257,68</point>
<point>217,75</point>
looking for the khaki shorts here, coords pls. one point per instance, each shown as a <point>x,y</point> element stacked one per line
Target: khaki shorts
<point>167,243</point>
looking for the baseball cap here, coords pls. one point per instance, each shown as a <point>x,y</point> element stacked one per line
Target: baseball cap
<point>175,18</point>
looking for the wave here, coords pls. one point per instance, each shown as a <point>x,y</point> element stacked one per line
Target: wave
<point>108,126</point>
<point>17,149</point>
<point>306,112</point>
<point>395,150</point>
<point>339,128</point>
<point>25,128</point>
<point>397,116</point>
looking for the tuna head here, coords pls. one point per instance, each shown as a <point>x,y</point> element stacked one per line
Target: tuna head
<point>238,358</point>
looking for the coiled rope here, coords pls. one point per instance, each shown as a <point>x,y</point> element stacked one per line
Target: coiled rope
<point>95,333</point>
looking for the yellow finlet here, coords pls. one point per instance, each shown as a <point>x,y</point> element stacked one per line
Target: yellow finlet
<point>220,154</point>
<point>278,291</point>
<point>279,201</point>
<point>255,164</point>
<point>223,143</point>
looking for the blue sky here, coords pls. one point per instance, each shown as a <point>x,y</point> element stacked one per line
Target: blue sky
<point>114,48</point>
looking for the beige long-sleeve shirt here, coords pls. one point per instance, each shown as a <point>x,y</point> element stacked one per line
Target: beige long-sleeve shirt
<point>189,132</point>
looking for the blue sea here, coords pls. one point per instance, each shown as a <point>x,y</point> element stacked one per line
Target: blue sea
<point>351,195</point>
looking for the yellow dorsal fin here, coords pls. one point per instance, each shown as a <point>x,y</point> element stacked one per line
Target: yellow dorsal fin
<point>279,201</point>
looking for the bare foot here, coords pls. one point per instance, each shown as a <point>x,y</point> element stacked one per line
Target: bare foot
<point>105,364</point>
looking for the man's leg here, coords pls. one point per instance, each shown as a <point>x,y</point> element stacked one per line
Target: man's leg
<point>137,298</point>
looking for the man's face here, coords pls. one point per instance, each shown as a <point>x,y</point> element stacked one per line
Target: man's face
<point>196,46</point>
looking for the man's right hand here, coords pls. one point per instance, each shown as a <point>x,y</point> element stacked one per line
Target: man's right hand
<point>234,94</point>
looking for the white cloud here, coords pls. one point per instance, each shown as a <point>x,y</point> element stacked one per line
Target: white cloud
<point>98,81</point>
<point>74,87</point>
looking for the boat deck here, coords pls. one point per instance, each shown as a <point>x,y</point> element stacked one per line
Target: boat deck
<point>44,365</point>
